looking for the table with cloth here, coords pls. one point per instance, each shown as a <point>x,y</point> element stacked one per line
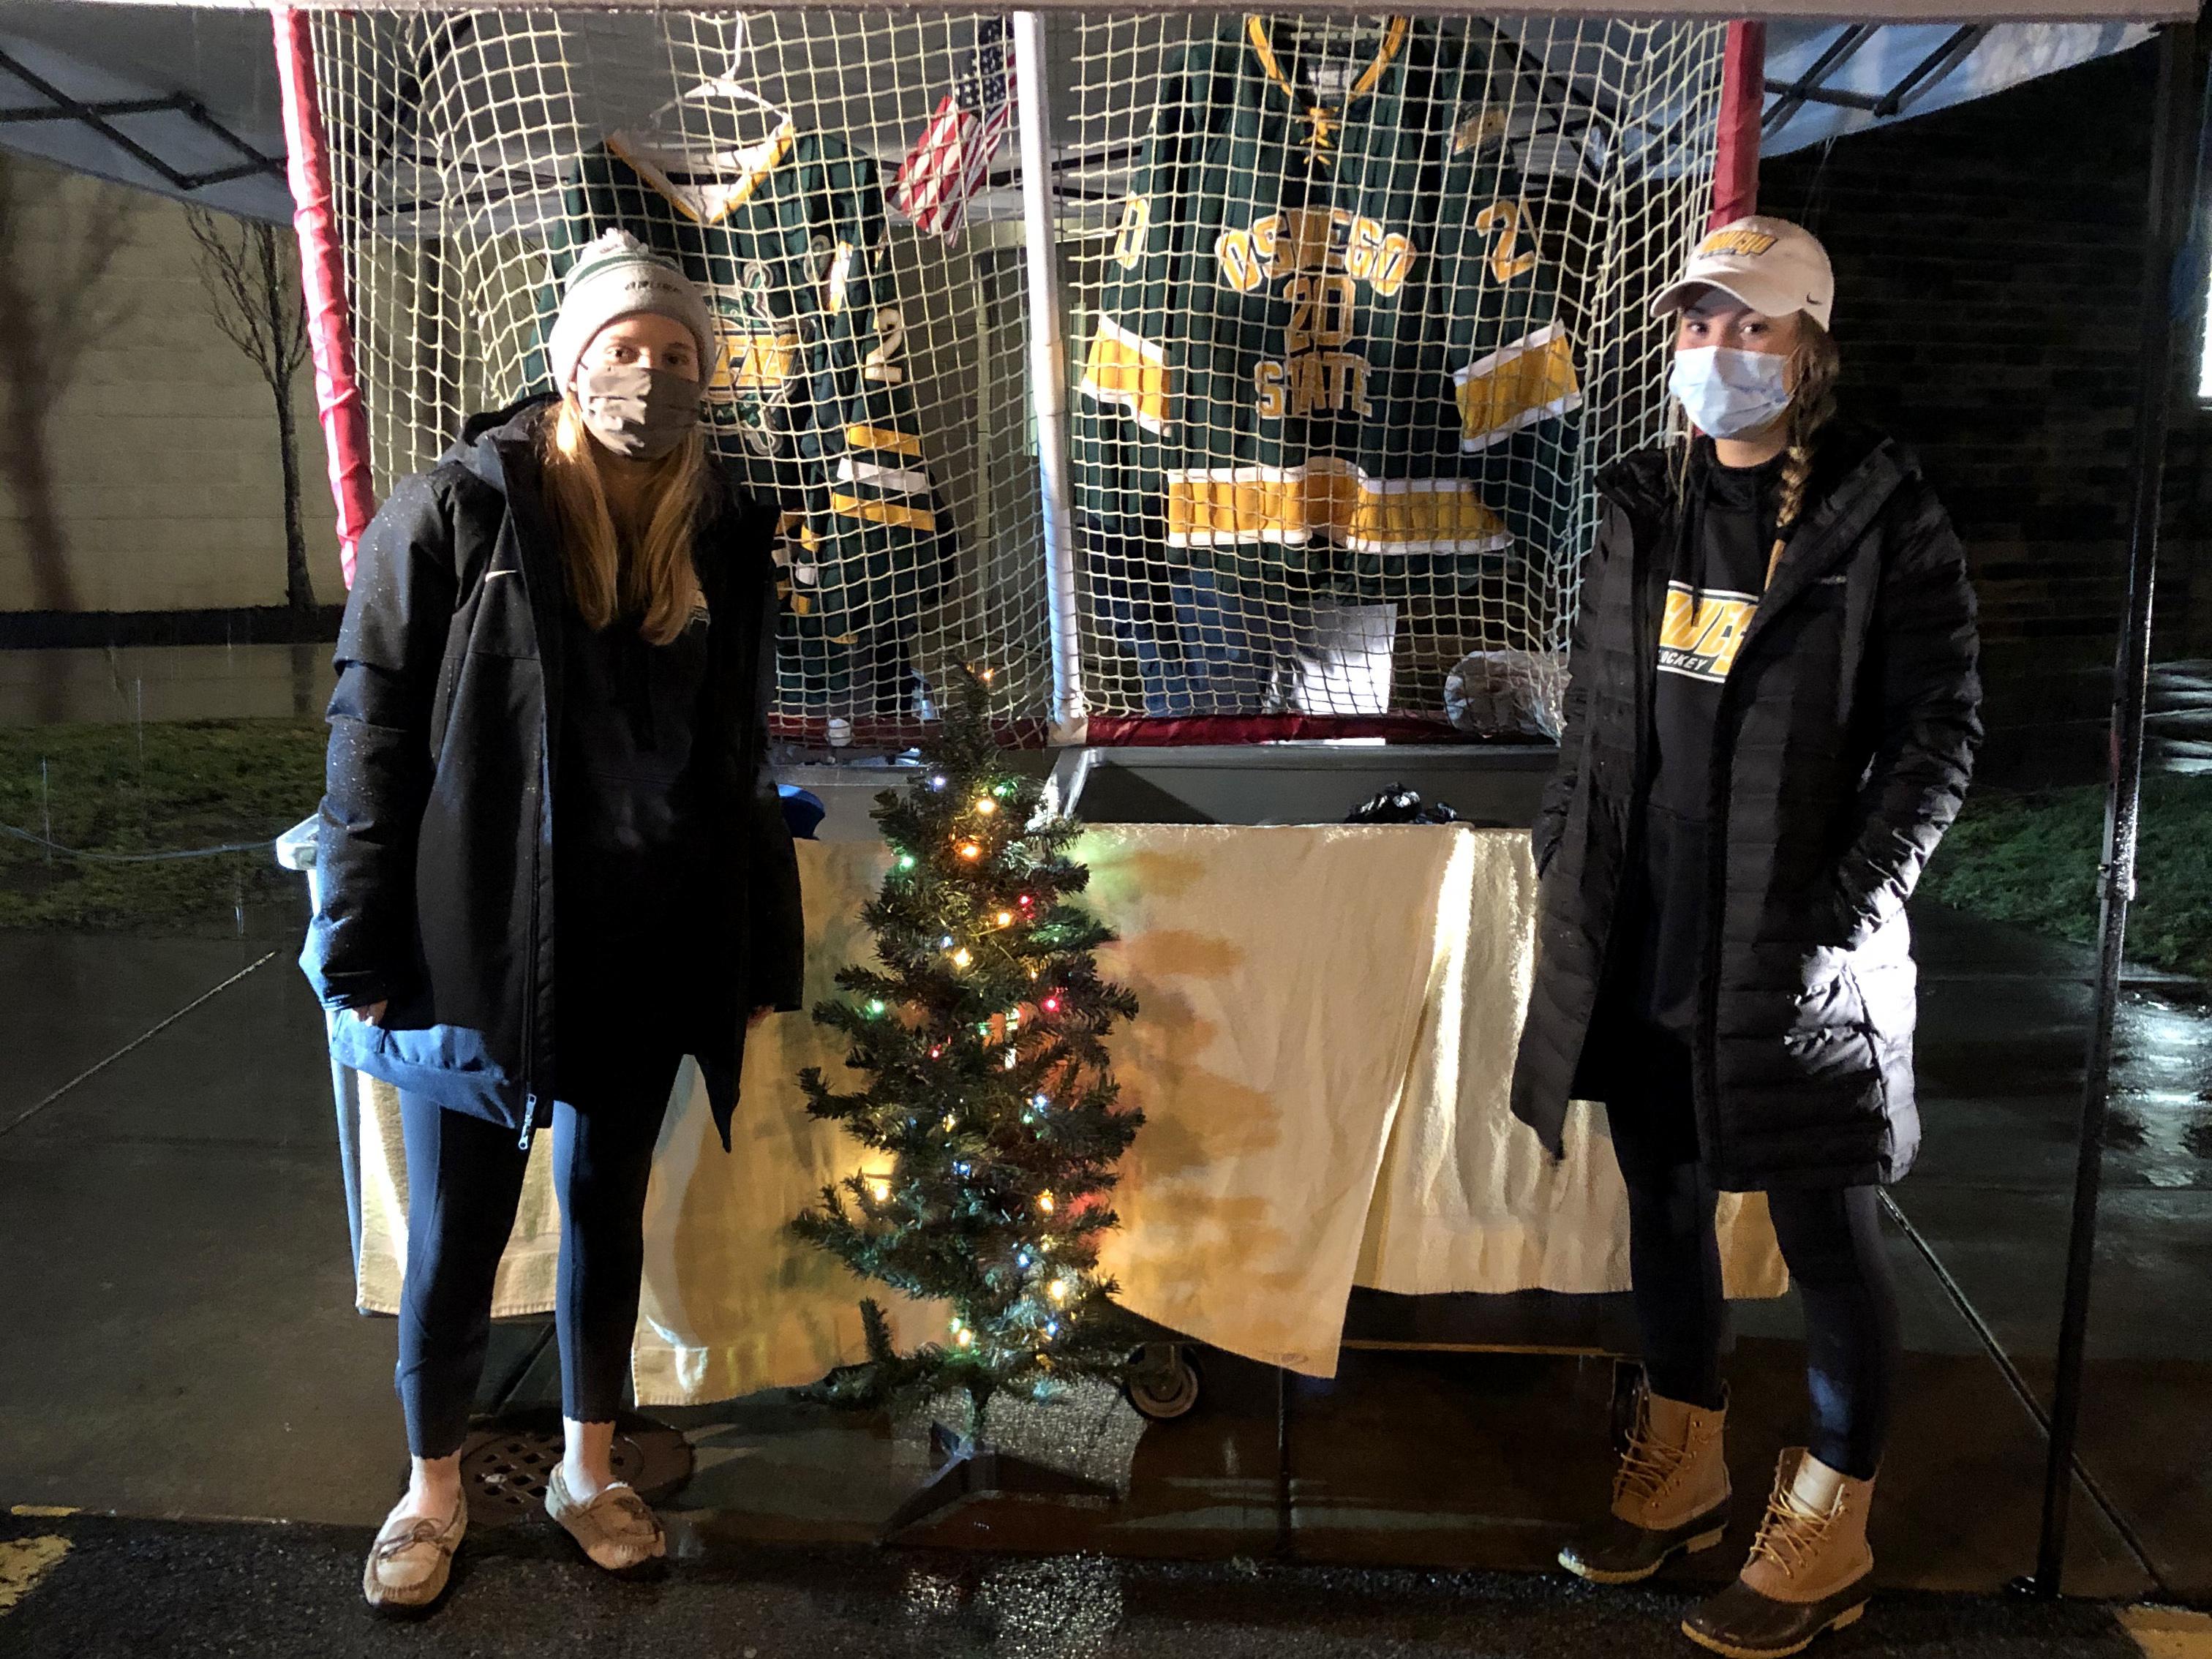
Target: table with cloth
<point>1323,1058</point>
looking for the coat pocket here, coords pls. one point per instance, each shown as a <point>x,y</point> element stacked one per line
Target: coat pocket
<point>1830,1033</point>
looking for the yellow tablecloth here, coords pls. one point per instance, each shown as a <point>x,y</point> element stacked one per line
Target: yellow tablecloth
<point>1329,1017</point>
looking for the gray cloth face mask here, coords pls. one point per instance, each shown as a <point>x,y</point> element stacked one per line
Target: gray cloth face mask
<point>639,414</point>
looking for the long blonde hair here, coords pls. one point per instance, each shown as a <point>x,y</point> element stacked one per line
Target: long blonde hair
<point>641,564</point>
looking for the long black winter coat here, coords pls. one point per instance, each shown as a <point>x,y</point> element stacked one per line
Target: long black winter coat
<point>434,858</point>
<point>1843,740</point>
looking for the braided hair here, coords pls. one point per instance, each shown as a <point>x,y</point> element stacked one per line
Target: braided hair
<point>1815,362</point>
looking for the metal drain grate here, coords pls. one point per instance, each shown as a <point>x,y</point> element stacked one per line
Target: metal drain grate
<point>507,1461</point>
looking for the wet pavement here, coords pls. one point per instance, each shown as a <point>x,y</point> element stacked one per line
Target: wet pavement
<point>181,1591</point>
<point>181,1344</point>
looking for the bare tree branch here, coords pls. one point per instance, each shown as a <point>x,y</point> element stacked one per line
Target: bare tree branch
<point>251,273</point>
<point>248,291</point>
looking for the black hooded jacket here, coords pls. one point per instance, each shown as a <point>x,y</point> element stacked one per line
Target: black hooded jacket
<point>1842,747</point>
<point>434,856</point>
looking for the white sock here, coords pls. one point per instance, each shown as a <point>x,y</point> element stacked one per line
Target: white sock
<point>1815,1485</point>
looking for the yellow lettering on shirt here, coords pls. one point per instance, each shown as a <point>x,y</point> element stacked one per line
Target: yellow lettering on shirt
<point>1700,632</point>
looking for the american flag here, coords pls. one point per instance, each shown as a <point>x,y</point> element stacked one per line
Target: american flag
<point>950,160</point>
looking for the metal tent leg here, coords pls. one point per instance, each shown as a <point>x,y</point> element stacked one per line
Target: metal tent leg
<point>2173,149</point>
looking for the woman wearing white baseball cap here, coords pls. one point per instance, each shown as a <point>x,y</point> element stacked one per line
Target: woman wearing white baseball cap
<point>1771,716</point>
<point>550,729</point>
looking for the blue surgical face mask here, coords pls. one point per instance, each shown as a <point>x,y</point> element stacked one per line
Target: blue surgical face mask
<point>1728,394</point>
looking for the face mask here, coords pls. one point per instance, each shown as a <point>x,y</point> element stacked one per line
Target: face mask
<point>1728,394</point>
<point>640,414</point>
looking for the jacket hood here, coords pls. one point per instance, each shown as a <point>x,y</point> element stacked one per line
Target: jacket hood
<point>1643,480</point>
<point>477,448</point>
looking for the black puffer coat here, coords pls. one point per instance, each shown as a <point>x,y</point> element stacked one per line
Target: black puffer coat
<point>1842,747</point>
<point>434,858</point>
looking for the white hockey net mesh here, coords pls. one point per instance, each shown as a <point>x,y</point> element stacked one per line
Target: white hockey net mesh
<point>1378,318</point>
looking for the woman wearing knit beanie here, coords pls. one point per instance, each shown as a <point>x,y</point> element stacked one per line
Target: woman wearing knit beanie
<point>552,862</point>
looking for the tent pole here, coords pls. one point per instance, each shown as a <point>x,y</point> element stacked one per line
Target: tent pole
<point>322,281</point>
<point>1048,372</point>
<point>1743,102</point>
<point>2173,149</point>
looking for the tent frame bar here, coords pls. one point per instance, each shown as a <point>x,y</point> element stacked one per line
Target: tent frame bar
<point>60,106</point>
<point>1808,87</point>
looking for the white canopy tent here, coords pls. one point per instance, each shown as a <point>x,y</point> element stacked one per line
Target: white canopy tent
<point>183,100</point>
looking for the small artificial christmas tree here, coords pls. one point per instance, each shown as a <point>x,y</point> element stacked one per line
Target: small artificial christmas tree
<point>991,1117</point>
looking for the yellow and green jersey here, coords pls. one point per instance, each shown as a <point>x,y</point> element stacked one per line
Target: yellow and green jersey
<point>1327,350</point>
<point>810,397</point>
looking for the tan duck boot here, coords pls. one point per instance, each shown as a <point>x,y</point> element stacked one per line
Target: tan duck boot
<point>1670,1495</point>
<point>1810,1570</point>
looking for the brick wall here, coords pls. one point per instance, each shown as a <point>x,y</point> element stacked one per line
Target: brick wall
<point>1987,263</point>
<point>164,444</point>
<point>1987,258</point>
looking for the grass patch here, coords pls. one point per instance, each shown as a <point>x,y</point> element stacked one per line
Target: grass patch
<point>2033,859</point>
<point>185,784</point>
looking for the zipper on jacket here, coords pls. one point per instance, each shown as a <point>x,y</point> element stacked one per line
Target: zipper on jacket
<point>524,482</point>
<point>530,1037</point>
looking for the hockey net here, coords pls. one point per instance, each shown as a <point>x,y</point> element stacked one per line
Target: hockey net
<point>1372,297</point>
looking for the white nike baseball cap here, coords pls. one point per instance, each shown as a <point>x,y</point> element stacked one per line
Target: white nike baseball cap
<point>1771,265</point>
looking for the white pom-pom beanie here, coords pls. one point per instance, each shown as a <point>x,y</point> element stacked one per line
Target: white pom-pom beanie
<point>616,276</point>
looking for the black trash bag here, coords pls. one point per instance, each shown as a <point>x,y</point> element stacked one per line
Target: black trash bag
<point>1399,804</point>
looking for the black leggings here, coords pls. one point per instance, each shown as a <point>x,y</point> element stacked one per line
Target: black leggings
<point>1831,1238</point>
<point>463,1183</point>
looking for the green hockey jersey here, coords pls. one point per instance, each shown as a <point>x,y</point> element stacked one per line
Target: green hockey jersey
<point>1327,356</point>
<point>810,396</point>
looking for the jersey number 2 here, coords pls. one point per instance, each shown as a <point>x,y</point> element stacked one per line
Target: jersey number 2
<point>890,334</point>
<point>1503,218</point>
